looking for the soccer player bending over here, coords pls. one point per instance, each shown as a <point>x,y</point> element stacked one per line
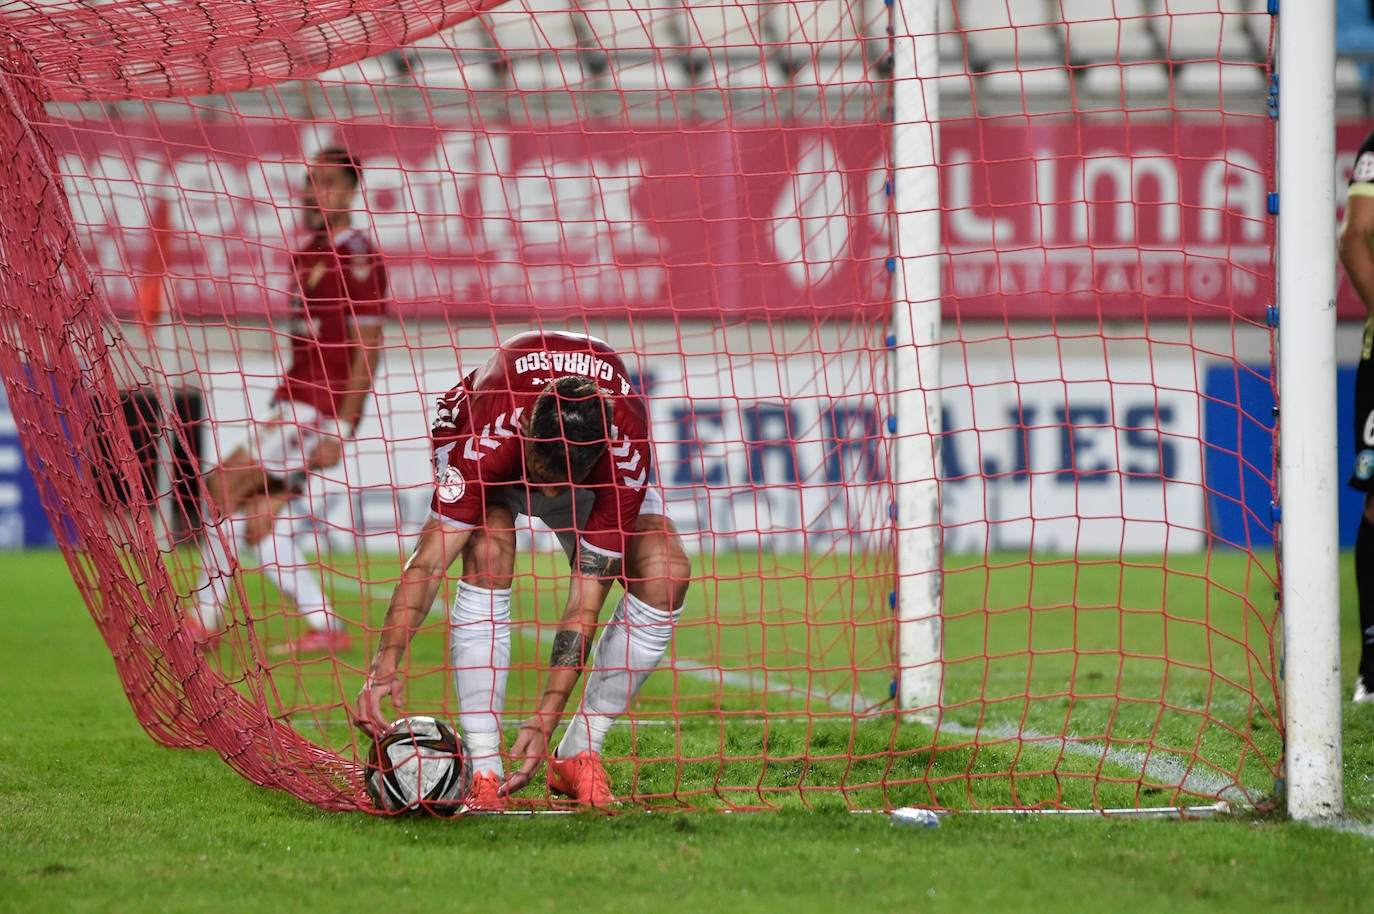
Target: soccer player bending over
<point>550,427</point>
<point>336,336</point>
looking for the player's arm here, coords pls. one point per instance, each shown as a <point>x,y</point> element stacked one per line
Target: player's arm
<point>1357,232</point>
<point>366,284</point>
<point>438,546</point>
<point>572,646</point>
<point>572,641</point>
<point>362,374</point>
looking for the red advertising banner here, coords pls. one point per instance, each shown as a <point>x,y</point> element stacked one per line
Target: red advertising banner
<point>1120,219</point>
<point>1072,217</point>
<point>682,223</point>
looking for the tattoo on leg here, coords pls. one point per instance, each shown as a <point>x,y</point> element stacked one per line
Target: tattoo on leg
<point>570,649</point>
<point>596,565</point>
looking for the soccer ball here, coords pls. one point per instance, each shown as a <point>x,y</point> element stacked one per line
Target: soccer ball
<point>418,764</point>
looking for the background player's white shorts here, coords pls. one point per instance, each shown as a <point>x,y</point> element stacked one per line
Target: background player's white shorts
<point>282,442</point>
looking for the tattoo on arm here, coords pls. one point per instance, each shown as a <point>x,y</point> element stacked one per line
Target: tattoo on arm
<point>570,649</point>
<point>597,565</point>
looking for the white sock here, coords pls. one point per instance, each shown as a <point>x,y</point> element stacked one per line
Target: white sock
<point>479,652</point>
<point>630,648</point>
<point>285,566</point>
<point>483,750</point>
<point>221,544</point>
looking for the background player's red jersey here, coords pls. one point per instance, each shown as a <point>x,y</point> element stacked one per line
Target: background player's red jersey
<point>338,283</point>
<point>477,439</point>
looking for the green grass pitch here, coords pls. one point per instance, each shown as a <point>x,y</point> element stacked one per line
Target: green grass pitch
<point>1065,684</point>
<point>96,817</point>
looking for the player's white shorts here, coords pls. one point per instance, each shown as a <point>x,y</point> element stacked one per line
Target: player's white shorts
<point>283,441</point>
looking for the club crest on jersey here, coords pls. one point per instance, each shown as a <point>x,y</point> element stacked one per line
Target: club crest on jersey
<point>360,268</point>
<point>451,485</point>
<point>1364,168</point>
<point>1364,464</point>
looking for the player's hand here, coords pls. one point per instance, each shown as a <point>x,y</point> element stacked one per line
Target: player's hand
<point>530,749</point>
<point>367,709</point>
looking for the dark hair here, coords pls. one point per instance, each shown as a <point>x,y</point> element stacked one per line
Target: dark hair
<point>342,158</point>
<point>568,428</point>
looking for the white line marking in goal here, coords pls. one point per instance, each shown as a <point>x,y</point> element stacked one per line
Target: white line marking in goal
<point>1346,825</point>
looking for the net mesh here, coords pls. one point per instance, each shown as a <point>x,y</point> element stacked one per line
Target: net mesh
<point>708,187</point>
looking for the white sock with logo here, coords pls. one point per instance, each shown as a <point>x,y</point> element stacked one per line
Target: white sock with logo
<point>630,648</point>
<point>479,653</point>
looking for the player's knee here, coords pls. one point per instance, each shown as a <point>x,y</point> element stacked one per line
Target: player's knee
<point>665,594</point>
<point>673,588</point>
<point>679,577</point>
<point>660,574</point>
<point>677,572</point>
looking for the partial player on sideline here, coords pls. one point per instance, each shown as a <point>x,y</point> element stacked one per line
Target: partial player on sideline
<point>336,337</point>
<point>1357,256</point>
<point>550,427</point>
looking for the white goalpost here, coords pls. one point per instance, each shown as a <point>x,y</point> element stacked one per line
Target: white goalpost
<point>916,331</point>
<point>1307,468</point>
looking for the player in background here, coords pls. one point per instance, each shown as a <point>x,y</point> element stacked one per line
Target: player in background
<point>549,427</point>
<point>1357,256</point>
<point>339,306</point>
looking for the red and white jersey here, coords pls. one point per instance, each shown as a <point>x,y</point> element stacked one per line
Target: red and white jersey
<point>339,284</point>
<point>477,441</point>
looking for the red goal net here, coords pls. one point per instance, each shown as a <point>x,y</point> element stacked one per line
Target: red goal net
<point>717,190</point>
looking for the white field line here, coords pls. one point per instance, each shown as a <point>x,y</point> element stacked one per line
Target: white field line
<point>1158,766</point>
<point>1346,825</point>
